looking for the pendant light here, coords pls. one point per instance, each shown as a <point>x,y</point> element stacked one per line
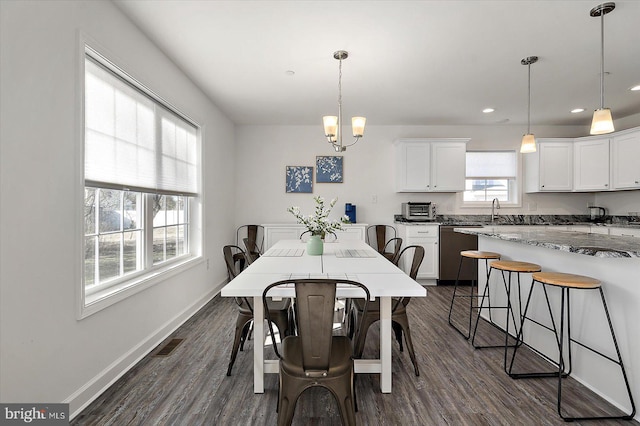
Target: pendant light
<point>333,124</point>
<point>602,122</point>
<point>528,141</point>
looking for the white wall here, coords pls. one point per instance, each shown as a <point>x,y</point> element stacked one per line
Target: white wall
<point>264,152</point>
<point>46,354</point>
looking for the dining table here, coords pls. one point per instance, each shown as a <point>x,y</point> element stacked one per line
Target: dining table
<point>342,259</point>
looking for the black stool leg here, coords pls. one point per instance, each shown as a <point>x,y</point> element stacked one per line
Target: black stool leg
<point>618,361</point>
<point>520,341</point>
<point>474,283</point>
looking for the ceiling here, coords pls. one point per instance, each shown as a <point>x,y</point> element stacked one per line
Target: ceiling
<point>410,62</point>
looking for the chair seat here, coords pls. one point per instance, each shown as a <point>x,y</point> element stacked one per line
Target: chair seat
<point>374,306</point>
<point>274,306</point>
<point>339,363</point>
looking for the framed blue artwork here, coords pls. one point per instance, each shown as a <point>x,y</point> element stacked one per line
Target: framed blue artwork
<point>329,169</point>
<point>300,179</point>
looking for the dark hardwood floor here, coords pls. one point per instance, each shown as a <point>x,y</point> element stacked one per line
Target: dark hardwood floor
<point>457,385</point>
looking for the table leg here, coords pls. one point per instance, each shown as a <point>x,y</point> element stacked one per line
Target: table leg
<point>258,345</point>
<point>385,344</point>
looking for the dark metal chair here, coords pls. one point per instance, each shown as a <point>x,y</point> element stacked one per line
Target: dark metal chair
<point>379,237</point>
<point>400,321</point>
<point>279,311</point>
<point>315,357</point>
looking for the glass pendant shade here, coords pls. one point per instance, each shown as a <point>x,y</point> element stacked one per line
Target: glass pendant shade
<point>357,124</point>
<point>602,122</point>
<point>528,143</point>
<point>330,125</point>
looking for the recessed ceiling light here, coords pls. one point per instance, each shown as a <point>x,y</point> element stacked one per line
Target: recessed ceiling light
<point>488,110</point>
<point>635,88</point>
<point>577,110</point>
<point>289,72</point>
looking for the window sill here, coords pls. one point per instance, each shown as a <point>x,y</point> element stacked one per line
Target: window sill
<point>90,304</point>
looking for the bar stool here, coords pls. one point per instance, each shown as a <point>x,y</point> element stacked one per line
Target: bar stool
<point>510,267</point>
<point>568,282</point>
<point>476,256</point>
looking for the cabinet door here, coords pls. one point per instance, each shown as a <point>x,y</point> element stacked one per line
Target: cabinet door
<point>412,167</point>
<point>429,266</point>
<point>591,165</point>
<point>448,164</point>
<point>625,162</point>
<point>625,232</point>
<point>556,166</point>
<point>273,234</point>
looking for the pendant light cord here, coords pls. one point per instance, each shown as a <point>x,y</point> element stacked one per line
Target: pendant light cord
<point>529,102</point>
<point>602,60</point>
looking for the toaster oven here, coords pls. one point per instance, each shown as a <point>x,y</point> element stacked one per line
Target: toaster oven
<point>419,212</point>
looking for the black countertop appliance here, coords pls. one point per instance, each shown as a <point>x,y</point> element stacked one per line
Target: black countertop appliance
<point>451,244</point>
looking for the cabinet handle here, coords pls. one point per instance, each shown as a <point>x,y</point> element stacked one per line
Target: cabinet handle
<point>637,182</point>
<point>606,184</point>
<point>543,186</point>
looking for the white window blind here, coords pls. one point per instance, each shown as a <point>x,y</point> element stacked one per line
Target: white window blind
<point>491,164</point>
<point>132,141</point>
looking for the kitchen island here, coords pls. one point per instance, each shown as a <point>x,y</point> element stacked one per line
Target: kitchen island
<point>615,260</point>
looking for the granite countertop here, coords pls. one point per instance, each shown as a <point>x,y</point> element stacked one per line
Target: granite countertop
<point>574,242</point>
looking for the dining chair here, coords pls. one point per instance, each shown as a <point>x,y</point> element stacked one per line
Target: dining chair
<point>383,238</point>
<point>279,311</point>
<point>400,321</point>
<point>315,357</point>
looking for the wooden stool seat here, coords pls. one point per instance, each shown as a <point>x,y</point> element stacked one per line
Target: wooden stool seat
<point>475,254</point>
<point>566,280</point>
<point>516,266</point>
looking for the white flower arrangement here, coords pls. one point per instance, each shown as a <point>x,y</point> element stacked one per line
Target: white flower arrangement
<point>318,223</point>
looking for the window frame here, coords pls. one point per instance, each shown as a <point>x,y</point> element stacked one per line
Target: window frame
<point>514,184</point>
<point>89,301</point>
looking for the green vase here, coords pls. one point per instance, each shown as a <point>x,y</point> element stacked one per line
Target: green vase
<point>315,246</point>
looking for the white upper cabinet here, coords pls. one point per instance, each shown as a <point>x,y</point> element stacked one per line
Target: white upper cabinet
<point>448,163</point>
<point>550,168</point>
<point>591,164</point>
<point>625,161</point>
<point>430,165</point>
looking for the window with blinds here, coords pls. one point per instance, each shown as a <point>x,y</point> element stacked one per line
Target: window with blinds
<point>141,170</point>
<point>489,175</point>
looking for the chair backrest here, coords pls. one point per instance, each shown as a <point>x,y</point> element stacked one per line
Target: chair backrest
<point>378,235</point>
<point>255,235</point>
<point>252,250</point>
<point>394,245</point>
<point>329,237</point>
<point>416,261</point>
<point>235,258</point>
<point>315,303</point>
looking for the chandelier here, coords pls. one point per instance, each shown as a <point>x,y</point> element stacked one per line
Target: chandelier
<point>333,124</point>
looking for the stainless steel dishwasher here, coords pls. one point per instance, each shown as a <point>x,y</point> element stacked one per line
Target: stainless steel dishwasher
<point>451,244</point>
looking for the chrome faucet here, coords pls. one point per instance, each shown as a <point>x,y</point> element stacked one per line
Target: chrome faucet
<point>495,204</point>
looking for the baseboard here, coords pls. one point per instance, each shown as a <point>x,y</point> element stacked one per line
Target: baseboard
<point>91,390</point>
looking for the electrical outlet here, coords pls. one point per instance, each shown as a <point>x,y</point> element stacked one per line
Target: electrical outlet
<point>207,263</point>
